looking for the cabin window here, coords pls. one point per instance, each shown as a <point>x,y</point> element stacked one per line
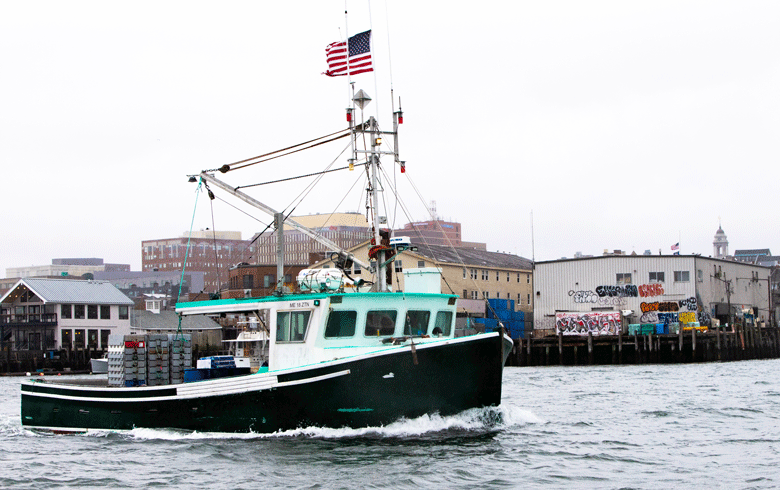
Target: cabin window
<point>105,312</point>
<point>416,322</point>
<point>291,325</point>
<point>78,338</point>
<point>92,339</point>
<point>67,339</point>
<point>66,311</point>
<point>380,322</point>
<point>443,324</point>
<point>341,324</point>
<point>92,312</point>
<point>78,312</point>
<point>123,313</point>
<point>420,264</point>
<point>104,334</point>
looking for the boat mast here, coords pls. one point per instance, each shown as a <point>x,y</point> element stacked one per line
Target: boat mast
<point>361,99</point>
<point>376,140</point>
<point>279,222</point>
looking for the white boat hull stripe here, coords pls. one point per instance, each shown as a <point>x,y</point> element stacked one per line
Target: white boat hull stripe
<point>192,391</point>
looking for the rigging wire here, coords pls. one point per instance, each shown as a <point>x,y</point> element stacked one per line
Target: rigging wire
<point>230,165</point>
<point>187,255</point>
<point>297,177</point>
<point>291,152</point>
<point>454,249</point>
<point>305,192</point>
<point>214,240</point>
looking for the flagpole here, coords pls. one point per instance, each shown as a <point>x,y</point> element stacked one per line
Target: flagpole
<point>371,50</point>
<point>349,75</point>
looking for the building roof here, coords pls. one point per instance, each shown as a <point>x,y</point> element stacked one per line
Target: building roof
<point>335,219</point>
<point>66,291</point>
<point>473,258</point>
<point>169,320</point>
<point>758,251</point>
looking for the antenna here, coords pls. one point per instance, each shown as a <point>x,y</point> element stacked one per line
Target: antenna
<point>533,252</point>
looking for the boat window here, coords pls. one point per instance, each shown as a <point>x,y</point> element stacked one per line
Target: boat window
<point>443,325</point>
<point>416,322</point>
<point>380,322</point>
<point>291,325</point>
<point>341,324</point>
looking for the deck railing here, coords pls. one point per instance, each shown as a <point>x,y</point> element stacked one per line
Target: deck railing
<point>29,319</point>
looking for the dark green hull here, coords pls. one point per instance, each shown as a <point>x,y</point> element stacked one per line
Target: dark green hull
<point>370,390</point>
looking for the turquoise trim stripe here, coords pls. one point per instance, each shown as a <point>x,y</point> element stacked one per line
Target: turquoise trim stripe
<point>303,297</point>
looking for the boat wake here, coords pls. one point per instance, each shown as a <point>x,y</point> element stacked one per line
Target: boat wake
<point>474,422</point>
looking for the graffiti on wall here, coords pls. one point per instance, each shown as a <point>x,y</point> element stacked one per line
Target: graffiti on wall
<point>678,311</point>
<point>596,323</point>
<point>646,290</point>
<point>629,290</point>
<point>594,298</point>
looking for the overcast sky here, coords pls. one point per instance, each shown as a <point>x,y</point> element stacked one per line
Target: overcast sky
<point>615,124</point>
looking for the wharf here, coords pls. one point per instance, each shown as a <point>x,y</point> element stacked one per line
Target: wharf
<point>716,344</point>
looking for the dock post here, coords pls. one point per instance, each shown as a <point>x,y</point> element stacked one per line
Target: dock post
<point>520,352</point>
<point>717,334</point>
<point>620,348</point>
<point>528,359</point>
<point>590,348</point>
<point>547,355</point>
<point>636,349</point>
<point>680,340</point>
<point>693,344</point>
<point>560,348</point>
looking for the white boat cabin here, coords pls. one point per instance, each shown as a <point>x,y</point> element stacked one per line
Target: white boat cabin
<point>318,327</point>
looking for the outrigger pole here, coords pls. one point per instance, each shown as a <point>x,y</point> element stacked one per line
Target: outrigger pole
<point>272,212</point>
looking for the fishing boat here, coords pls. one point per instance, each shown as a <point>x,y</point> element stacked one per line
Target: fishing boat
<point>340,352</point>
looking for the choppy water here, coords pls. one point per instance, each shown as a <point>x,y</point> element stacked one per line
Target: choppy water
<point>649,427</point>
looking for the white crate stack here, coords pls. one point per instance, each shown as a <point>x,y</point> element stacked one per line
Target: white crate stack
<point>116,360</point>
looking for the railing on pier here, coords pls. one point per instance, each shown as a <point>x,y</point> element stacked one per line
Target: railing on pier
<point>716,344</point>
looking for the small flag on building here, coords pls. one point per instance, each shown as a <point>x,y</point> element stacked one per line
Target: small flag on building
<point>354,54</point>
<point>676,248</point>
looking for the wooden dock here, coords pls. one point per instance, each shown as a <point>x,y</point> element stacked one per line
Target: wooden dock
<point>716,344</point>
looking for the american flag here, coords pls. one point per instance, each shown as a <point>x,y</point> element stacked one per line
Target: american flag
<point>676,246</point>
<point>359,56</point>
